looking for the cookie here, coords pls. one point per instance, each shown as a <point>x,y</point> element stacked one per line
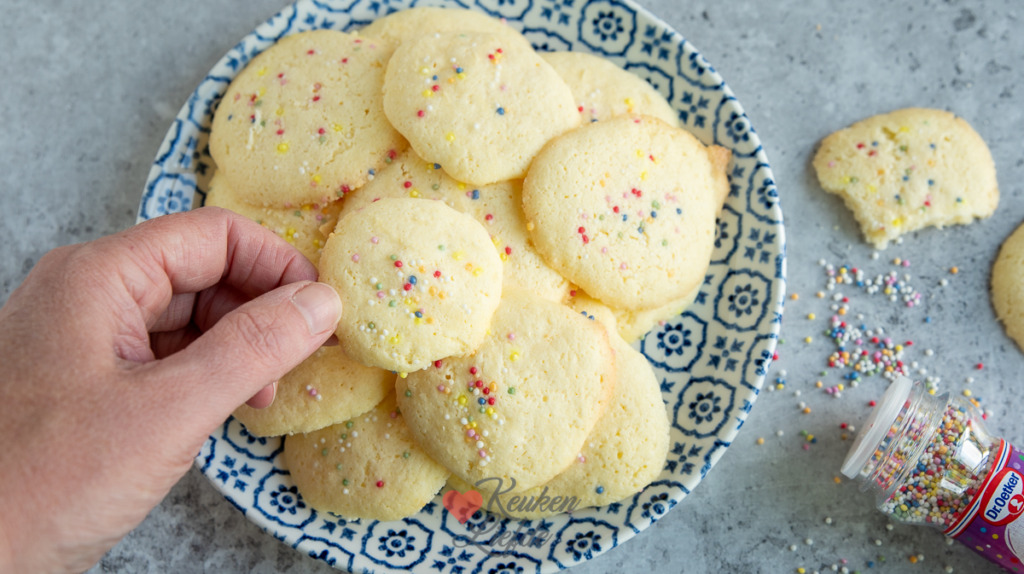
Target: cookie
<point>481,105</point>
<point>414,23</point>
<point>603,90</point>
<point>303,122</point>
<point>521,406</point>
<point>368,467</point>
<point>625,208</point>
<point>325,389</point>
<point>1007,285</point>
<point>907,170</point>
<point>418,280</point>
<point>498,207</point>
<point>304,226</point>
<point>623,454</point>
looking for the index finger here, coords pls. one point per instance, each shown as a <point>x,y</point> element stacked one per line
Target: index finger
<point>191,251</point>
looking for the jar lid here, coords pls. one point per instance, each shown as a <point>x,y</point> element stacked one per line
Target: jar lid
<point>878,425</point>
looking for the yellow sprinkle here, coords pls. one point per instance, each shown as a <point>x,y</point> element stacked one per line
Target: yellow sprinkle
<point>514,356</point>
<point>872,188</point>
<point>316,179</point>
<point>279,111</point>
<point>496,241</point>
<point>490,410</point>
<point>811,316</point>
<point>529,226</point>
<point>262,72</point>
<point>316,243</point>
<point>760,440</point>
<point>810,438</point>
<point>450,136</point>
<point>461,75</point>
<point>427,93</point>
<point>841,387</point>
<point>282,147</point>
<point>472,424</point>
<point>458,255</point>
<point>818,384</point>
<point>807,410</point>
<point>842,310</point>
<point>639,152</point>
<point>954,270</point>
<point>414,192</point>
<point>403,375</point>
<point>836,479</point>
<point>904,129</point>
<point>337,127</point>
<point>820,294</point>
<point>897,222</point>
<point>395,339</point>
<point>913,559</point>
<point>643,176</point>
<point>477,272</point>
<point>629,102</point>
<point>262,91</point>
<point>462,399</point>
<point>794,296</point>
<point>424,70</point>
<point>808,339</point>
<point>779,386</point>
<point>967,392</point>
<point>800,571</point>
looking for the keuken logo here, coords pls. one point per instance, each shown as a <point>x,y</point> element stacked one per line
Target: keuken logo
<point>463,505</point>
<point>1004,499</point>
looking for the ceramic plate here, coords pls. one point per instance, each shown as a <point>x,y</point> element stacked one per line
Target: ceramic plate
<point>711,360</point>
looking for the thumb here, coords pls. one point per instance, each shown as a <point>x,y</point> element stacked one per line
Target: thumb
<point>253,346</point>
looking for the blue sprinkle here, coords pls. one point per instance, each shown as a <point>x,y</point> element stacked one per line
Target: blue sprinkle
<point>906,177</point>
<point>927,319</point>
<point>931,182</point>
<point>592,120</point>
<point>654,214</point>
<point>481,401</point>
<point>932,146</point>
<point>373,172</point>
<point>874,144</point>
<point>437,166</point>
<point>230,116</point>
<point>679,211</point>
<point>435,78</point>
<point>624,216</point>
<point>640,229</point>
<point>458,70</point>
<point>476,194</point>
<point>412,279</point>
<point>419,314</point>
<point>599,490</point>
<point>871,563</point>
<point>501,111</point>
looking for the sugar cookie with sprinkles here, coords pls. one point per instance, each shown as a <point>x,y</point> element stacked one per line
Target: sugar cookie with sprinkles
<point>414,23</point>
<point>623,454</point>
<point>625,208</point>
<point>418,280</point>
<point>303,122</point>
<point>907,170</point>
<point>325,389</point>
<point>305,226</point>
<point>498,207</point>
<point>367,467</point>
<point>1008,286</point>
<point>603,90</point>
<point>522,405</point>
<point>481,105</point>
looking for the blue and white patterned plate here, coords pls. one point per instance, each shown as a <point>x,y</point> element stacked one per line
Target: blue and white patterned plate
<point>711,360</point>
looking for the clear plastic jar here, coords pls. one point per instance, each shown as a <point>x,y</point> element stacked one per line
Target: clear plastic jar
<point>930,460</point>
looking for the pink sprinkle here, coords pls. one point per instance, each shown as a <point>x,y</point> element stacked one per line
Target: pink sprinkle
<point>312,392</point>
<point>581,458</point>
<point>623,266</point>
<point>355,258</point>
<point>483,453</point>
<point>511,336</point>
<point>807,446</point>
<point>440,388</point>
<point>380,294</point>
<point>393,414</point>
<point>374,240</point>
<point>604,250</point>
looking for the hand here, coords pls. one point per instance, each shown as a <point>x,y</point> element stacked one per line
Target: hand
<point>120,356</point>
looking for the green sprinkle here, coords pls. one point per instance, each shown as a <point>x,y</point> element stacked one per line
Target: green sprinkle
<point>344,435</point>
<point>337,466</point>
<point>344,482</point>
<point>371,325</point>
<point>348,424</point>
<point>394,258</point>
<point>511,390</point>
<point>435,187</point>
<point>664,242</point>
<point>655,204</point>
<point>378,286</point>
<point>298,213</point>
<point>323,452</point>
<point>440,247</point>
<point>323,139</point>
<point>408,393</point>
<point>393,303</point>
<point>405,454</point>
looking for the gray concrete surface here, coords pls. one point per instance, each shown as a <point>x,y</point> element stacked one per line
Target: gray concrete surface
<point>89,89</point>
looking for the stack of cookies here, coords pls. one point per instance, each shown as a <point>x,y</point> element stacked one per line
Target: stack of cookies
<point>500,225</point>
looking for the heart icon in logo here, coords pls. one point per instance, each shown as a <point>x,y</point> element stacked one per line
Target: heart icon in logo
<point>462,505</point>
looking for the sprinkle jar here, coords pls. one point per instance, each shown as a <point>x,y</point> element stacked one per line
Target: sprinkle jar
<point>930,460</point>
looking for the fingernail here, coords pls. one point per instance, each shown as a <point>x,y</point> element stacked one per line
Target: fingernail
<point>320,305</point>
